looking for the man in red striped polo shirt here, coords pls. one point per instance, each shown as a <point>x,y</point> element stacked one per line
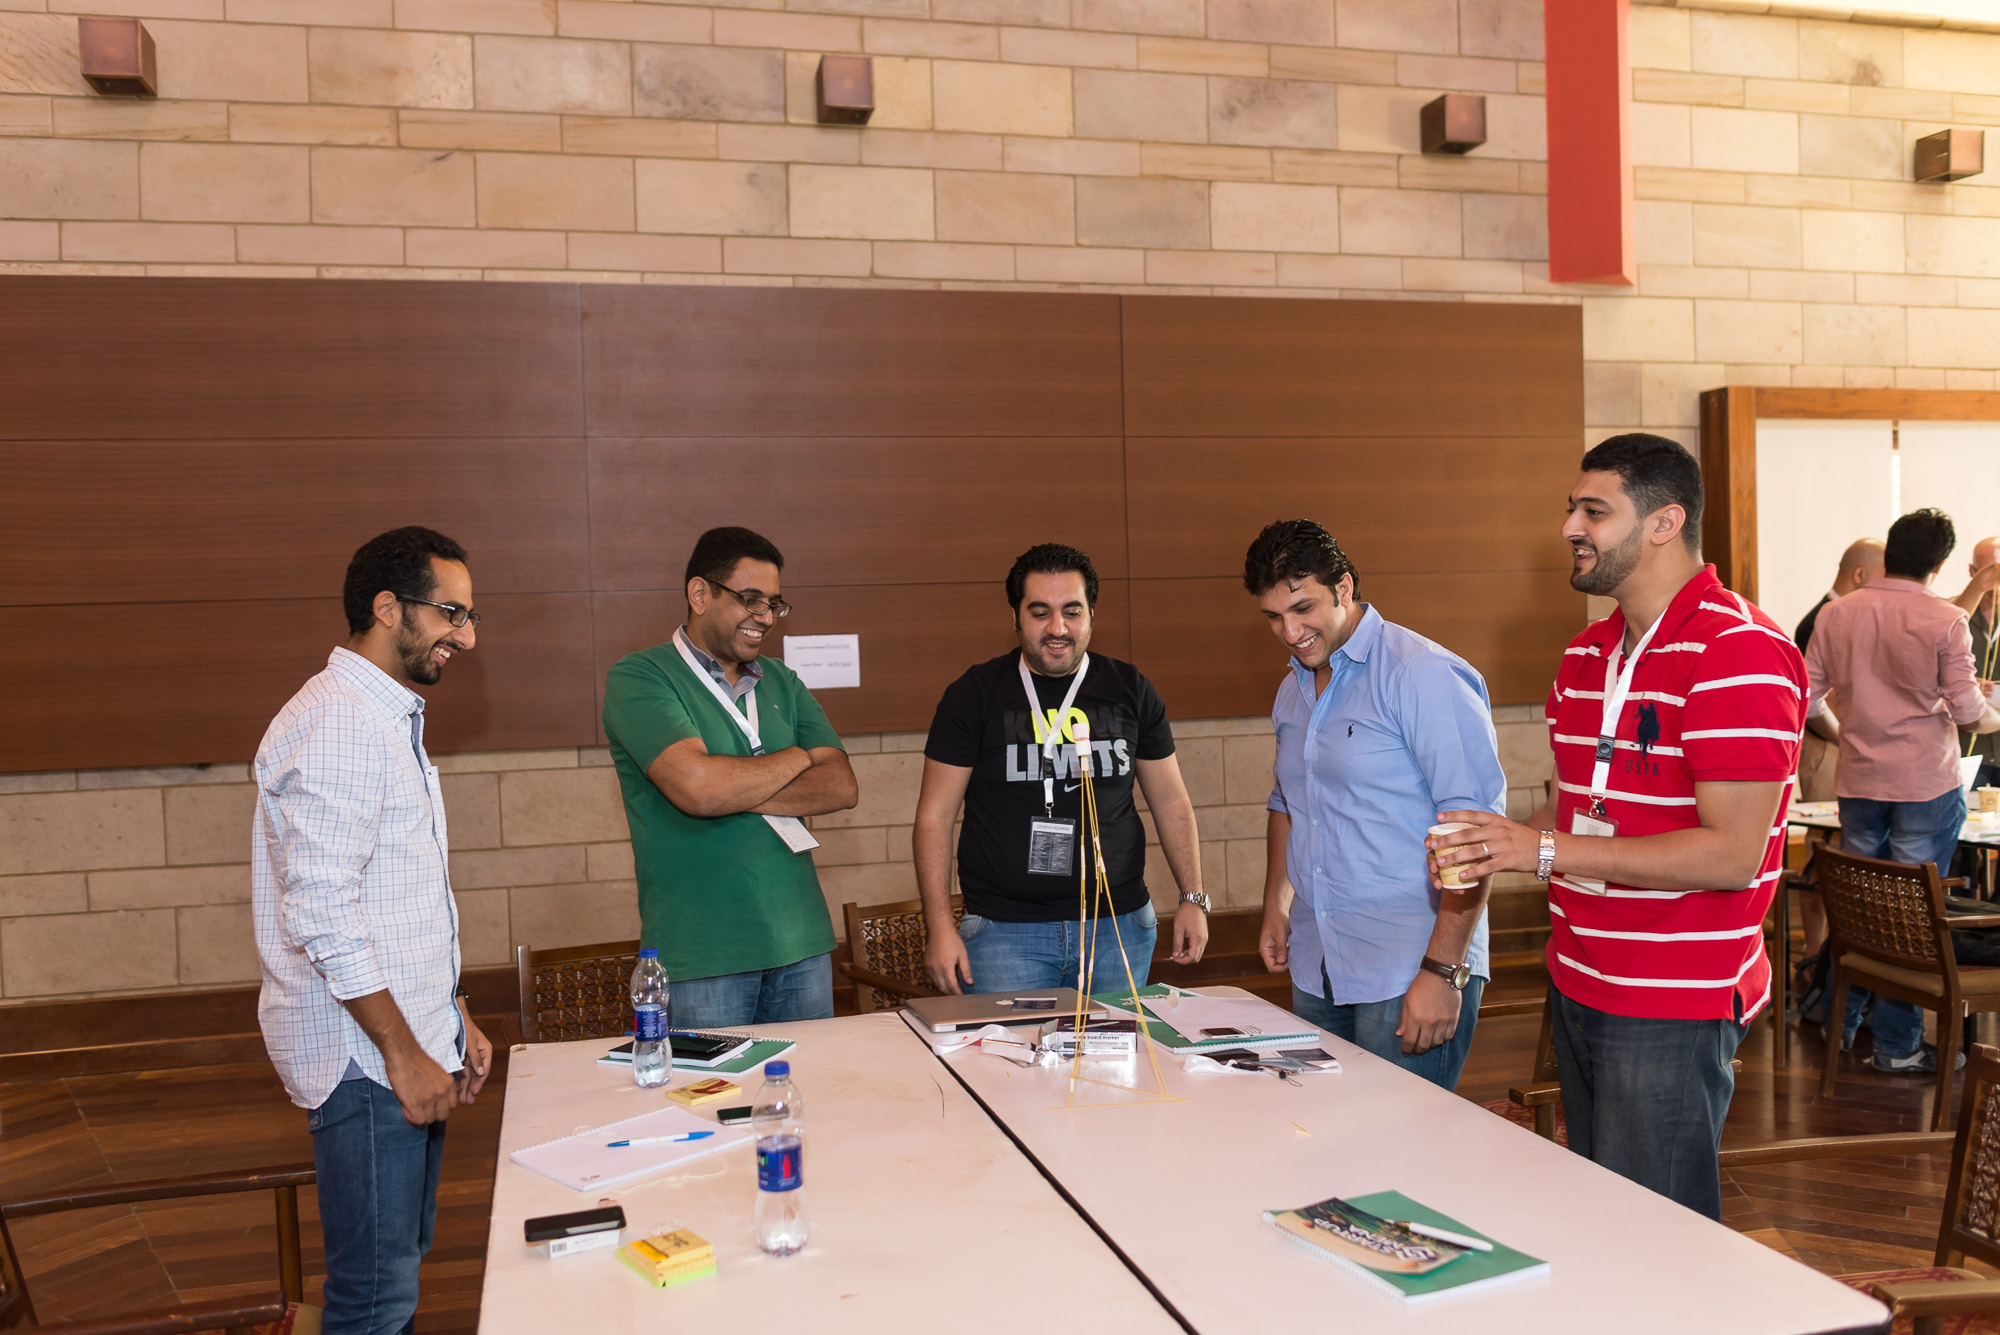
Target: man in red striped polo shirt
<point>1675,723</point>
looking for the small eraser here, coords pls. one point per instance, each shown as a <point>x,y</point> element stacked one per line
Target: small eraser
<point>585,1242</point>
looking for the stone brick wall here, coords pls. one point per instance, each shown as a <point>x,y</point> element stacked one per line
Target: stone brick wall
<point>1263,147</point>
<point>116,880</point>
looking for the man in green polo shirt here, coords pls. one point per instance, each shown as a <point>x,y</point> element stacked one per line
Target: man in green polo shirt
<point>719,752</point>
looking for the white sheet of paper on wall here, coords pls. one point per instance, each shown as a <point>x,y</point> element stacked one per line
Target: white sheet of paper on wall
<point>824,662</point>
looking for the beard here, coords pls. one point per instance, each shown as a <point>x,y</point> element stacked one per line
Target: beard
<point>1610,569</point>
<point>414,652</point>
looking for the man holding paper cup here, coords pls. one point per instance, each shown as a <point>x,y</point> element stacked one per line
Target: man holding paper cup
<point>1379,729</point>
<point>1675,723</point>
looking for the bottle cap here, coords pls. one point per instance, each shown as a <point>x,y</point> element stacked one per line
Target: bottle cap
<point>649,953</point>
<point>777,1070</point>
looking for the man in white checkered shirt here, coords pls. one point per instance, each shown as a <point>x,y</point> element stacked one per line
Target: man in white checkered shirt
<point>357,930</point>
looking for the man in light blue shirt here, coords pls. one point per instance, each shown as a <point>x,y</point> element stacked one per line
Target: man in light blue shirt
<point>1379,730</point>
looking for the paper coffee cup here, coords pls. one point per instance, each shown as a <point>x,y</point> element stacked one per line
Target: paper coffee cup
<point>1453,876</point>
<point>1989,800</point>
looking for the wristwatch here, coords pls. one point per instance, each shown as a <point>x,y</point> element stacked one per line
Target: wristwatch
<point>1458,975</point>
<point>1198,898</point>
<point>1545,856</point>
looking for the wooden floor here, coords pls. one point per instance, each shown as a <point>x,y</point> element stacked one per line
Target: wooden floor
<point>1839,1217</point>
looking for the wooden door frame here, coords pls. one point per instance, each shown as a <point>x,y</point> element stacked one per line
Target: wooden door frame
<point>1729,451</point>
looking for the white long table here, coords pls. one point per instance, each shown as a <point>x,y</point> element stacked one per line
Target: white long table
<point>912,1192</point>
<point>1179,1189</point>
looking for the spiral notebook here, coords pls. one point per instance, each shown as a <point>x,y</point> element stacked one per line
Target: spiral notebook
<point>585,1162</point>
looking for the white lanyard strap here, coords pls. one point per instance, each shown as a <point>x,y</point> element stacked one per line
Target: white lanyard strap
<point>1617,685</point>
<point>1054,738</point>
<point>747,724</point>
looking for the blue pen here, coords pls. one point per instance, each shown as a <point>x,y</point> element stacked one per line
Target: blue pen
<point>661,1140</point>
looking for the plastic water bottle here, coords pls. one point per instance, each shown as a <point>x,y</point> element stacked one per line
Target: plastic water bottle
<point>652,1057</point>
<point>777,1118</point>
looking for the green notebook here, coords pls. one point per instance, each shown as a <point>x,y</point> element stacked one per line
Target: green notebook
<point>1296,1032</point>
<point>1356,1236</point>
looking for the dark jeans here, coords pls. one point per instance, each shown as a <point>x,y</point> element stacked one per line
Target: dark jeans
<point>801,991</point>
<point>378,1179</point>
<point>1372,1025</point>
<point>1646,1098</point>
<point>1018,956</point>
<point>1901,832</point>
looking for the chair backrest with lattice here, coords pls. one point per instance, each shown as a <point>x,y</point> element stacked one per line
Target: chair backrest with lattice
<point>15,1309</point>
<point>576,991</point>
<point>888,939</point>
<point>1972,1202</point>
<point>1887,911</point>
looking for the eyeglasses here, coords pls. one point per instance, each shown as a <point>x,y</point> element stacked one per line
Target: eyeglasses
<point>756,605</point>
<point>453,613</point>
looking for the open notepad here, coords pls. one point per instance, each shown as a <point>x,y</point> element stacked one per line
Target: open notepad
<point>584,1161</point>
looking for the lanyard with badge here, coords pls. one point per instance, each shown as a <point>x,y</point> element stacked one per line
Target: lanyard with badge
<point>789,828</point>
<point>1591,819</point>
<point>1052,840</point>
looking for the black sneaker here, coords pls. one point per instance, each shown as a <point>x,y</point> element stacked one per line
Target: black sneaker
<point>1921,1062</point>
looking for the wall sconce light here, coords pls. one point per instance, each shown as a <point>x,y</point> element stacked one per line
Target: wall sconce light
<point>1951,154</point>
<point>845,88</point>
<point>1454,123</point>
<point>118,56</point>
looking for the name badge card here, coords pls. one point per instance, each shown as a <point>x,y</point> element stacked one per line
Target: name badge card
<point>1052,847</point>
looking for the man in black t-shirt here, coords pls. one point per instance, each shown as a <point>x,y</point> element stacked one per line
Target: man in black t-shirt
<point>1019,776</point>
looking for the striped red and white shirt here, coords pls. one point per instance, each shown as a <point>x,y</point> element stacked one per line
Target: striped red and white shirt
<point>1717,697</point>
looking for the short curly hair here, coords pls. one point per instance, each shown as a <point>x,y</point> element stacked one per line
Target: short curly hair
<point>398,561</point>
<point>1050,558</point>
<point>1292,549</point>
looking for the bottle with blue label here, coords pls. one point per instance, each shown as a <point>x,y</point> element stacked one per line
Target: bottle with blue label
<point>777,1119</point>
<point>652,1055</point>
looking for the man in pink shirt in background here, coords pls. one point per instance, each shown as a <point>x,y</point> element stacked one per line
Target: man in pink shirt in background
<point>1899,658</point>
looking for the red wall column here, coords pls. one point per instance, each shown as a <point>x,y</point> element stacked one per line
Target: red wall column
<point>1590,142</point>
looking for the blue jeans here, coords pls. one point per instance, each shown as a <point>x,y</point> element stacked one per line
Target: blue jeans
<point>1372,1025</point>
<point>1018,956</point>
<point>378,1178</point>
<point>802,991</point>
<point>1899,832</point>
<point>1646,1098</point>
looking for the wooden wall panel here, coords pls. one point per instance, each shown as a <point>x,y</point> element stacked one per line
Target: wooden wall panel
<point>700,361</point>
<point>234,521</point>
<point>1197,502</point>
<point>915,641</point>
<point>1247,366</point>
<point>247,358</point>
<point>176,684</point>
<point>855,511</point>
<point>170,447</point>
<point>1210,651</point>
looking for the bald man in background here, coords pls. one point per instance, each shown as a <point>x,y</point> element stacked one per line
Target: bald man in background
<point>1860,563</point>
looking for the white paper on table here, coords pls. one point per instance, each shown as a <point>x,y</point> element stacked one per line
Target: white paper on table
<point>824,662</point>
<point>1196,1013</point>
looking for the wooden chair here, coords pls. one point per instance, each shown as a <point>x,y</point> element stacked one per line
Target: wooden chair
<point>1891,935</point>
<point>576,991</point>
<point>1536,1104</point>
<point>239,1316</point>
<point>1923,1298</point>
<point>888,945</point>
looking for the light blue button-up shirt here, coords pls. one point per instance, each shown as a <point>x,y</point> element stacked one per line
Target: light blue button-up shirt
<point>1402,732</point>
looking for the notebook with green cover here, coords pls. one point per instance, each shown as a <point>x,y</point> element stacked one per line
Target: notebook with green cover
<point>1357,1236</point>
<point>1285,1029</point>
